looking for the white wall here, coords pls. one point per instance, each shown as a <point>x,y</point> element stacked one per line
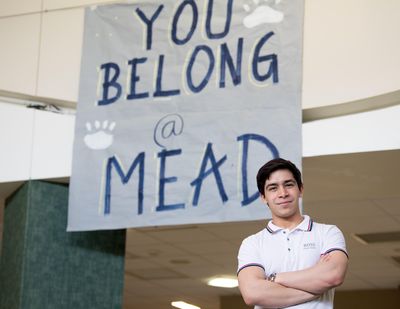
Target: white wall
<point>60,54</point>
<point>363,132</point>
<point>351,48</point>
<point>36,146</point>
<point>19,53</point>
<point>16,129</point>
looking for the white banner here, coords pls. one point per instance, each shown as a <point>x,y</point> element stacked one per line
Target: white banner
<point>180,103</point>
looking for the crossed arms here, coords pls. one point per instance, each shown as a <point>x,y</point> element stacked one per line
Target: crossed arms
<point>295,287</point>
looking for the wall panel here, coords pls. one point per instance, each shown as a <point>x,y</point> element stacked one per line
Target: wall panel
<point>19,52</point>
<point>17,7</point>
<point>52,145</point>
<point>60,54</point>
<point>61,4</point>
<point>16,130</point>
<point>350,50</point>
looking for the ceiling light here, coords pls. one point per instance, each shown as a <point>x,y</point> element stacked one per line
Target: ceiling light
<point>183,305</point>
<point>224,282</point>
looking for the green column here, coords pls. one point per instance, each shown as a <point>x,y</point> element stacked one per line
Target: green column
<point>42,266</point>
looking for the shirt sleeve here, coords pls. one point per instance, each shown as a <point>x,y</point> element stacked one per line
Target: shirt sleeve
<point>333,240</point>
<point>249,254</point>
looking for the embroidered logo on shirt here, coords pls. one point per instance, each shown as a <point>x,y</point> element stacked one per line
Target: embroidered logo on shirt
<point>309,245</point>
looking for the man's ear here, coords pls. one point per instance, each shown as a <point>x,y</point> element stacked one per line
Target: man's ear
<point>302,191</point>
<point>262,197</point>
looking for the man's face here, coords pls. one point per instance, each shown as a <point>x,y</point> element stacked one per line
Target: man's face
<point>282,194</point>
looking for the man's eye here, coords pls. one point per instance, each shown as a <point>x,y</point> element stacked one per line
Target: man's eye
<point>272,189</point>
<point>290,184</point>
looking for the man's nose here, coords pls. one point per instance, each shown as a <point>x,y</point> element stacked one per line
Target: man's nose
<point>282,191</point>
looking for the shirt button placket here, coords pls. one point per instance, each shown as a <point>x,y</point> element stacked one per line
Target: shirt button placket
<point>288,239</point>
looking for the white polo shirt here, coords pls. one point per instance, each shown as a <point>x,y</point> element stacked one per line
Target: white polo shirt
<point>275,249</point>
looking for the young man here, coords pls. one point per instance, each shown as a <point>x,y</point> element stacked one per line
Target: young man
<point>294,262</point>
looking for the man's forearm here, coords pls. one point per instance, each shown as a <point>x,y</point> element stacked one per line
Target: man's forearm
<point>304,280</point>
<point>326,274</point>
<point>273,295</point>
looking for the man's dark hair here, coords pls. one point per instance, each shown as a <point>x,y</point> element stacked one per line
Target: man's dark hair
<point>277,164</point>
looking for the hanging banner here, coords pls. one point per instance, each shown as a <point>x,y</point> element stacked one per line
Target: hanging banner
<point>180,104</point>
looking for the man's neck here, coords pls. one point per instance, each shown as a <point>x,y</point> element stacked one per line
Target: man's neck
<point>288,223</point>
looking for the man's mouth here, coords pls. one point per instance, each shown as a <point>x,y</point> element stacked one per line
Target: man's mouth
<point>284,203</point>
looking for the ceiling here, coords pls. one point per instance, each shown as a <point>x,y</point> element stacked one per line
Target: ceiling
<point>358,192</point>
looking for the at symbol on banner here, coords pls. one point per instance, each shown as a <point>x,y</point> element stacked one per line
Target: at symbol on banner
<point>167,127</point>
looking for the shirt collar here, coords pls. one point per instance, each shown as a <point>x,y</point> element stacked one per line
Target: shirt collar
<point>305,225</point>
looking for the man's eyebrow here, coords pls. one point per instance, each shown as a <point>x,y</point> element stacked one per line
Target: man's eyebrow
<point>283,182</point>
<point>271,184</point>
